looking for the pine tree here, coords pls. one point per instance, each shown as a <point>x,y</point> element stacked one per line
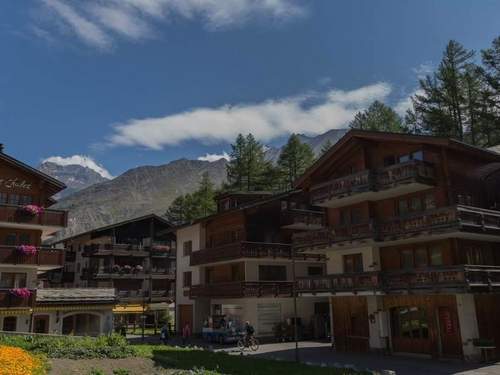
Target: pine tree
<point>294,159</point>
<point>491,94</point>
<point>378,117</point>
<point>204,198</point>
<point>441,109</point>
<point>177,213</point>
<point>236,167</point>
<point>326,146</point>
<point>255,164</point>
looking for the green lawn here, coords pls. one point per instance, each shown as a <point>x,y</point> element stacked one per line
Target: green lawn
<point>180,358</point>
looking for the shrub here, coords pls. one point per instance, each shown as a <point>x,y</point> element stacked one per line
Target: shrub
<point>113,346</point>
<point>121,371</point>
<point>96,371</point>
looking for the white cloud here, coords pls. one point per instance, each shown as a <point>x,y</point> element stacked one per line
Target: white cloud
<point>87,31</point>
<point>406,103</point>
<point>423,69</point>
<point>266,120</point>
<point>84,161</point>
<point>99,22</point>
<point>214,157</point>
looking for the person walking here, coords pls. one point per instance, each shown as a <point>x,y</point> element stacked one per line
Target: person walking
<point>164,334</point>
<point>186,334</point>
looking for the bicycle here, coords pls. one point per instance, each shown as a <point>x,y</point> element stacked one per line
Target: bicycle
<point>245,342</point>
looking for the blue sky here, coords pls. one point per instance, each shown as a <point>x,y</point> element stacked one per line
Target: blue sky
<point>135,82</point>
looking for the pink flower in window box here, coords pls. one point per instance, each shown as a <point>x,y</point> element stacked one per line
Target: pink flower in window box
<point>27,249</point>
<point>23,293</point>
<point>33,209</point>
<point>138,268</point>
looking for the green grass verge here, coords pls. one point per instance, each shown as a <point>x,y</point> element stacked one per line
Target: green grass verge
<point>182,358</point>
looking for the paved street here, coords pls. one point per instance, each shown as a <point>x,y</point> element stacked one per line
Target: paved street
<point>321,354</point>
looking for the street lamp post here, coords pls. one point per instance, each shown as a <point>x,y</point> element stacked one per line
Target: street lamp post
<point>294,289</point>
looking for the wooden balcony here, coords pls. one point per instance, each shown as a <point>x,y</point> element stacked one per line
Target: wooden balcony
<point>103,273</point>
<point>7,299</point>
<point>15,216</point>
<point>45,258</point>
<point>335,192</point>
<point>243,289</point>
<point>163,273</point>
<point>105,250</point>
<point>446,278</point>
<point>465,219</point>
<point>338,236</point>
<point>245,249</point>
<point>302,219</point>
<point>347,282</point>
<point>143,295</point>
<point>373,185</point>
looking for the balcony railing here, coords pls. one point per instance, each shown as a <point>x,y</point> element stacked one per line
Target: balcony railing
<point>7,299</point>
<point>302,219</point>
<point>414,171</point>
<point>411,171</point>
<point>348,185</point>
<point>102,250</point>
<point>15,214</point>
<point>44,257</point>
<point>346,282</point>
<point>445,219</point>
<point>247,249</point>
<point>242,289</point>
<point>465,218</point>
<point>461,277</point>
<point>156,295</point>
<point>327,237</point>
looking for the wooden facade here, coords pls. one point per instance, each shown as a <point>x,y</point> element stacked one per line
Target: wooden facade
<point>425,212</point>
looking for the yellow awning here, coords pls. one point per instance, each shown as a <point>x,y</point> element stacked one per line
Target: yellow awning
<point>128,309</point>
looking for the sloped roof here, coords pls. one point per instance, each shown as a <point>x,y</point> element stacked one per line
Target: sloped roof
<point>395,137</point>
<point>75,295</point>
<point>56,184</point>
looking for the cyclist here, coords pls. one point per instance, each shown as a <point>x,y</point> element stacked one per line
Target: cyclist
<point>249,332</point>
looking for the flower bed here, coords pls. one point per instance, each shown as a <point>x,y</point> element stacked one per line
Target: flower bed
<point>113,346</point>
<point>27,250</point>
<point>16,361</point>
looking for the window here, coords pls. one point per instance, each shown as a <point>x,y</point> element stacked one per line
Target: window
<point>10,239</point>
<point>430,201</point>
<point>353,263</point>
<point>409,322</point>
<point>236,274</point>
<point>436,256</point>
<point>209,275</point>
<point>13,198</point>
<point>9,323</point>
<point>356,216</point>
<point>421,257</point>
<point>416,204</point>
<point>187,248</point>
<point>13,279</point>
<point>404,158</point>
<point>416,155</point>
<point>272,273</point>
<point>24,239</point>
<point>314,271</point>
<point>3,198</point>
<point>25,199</point>
<point>186,279</point>
<point>403,206</point>
<point>407,258</point>
<point>389,160</point>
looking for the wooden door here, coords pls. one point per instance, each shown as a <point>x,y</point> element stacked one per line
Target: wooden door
<point>350,324</point>
<point>185,316</point>
<point>449,332</point>
<point>41,324</point>
<point>488,321</point>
